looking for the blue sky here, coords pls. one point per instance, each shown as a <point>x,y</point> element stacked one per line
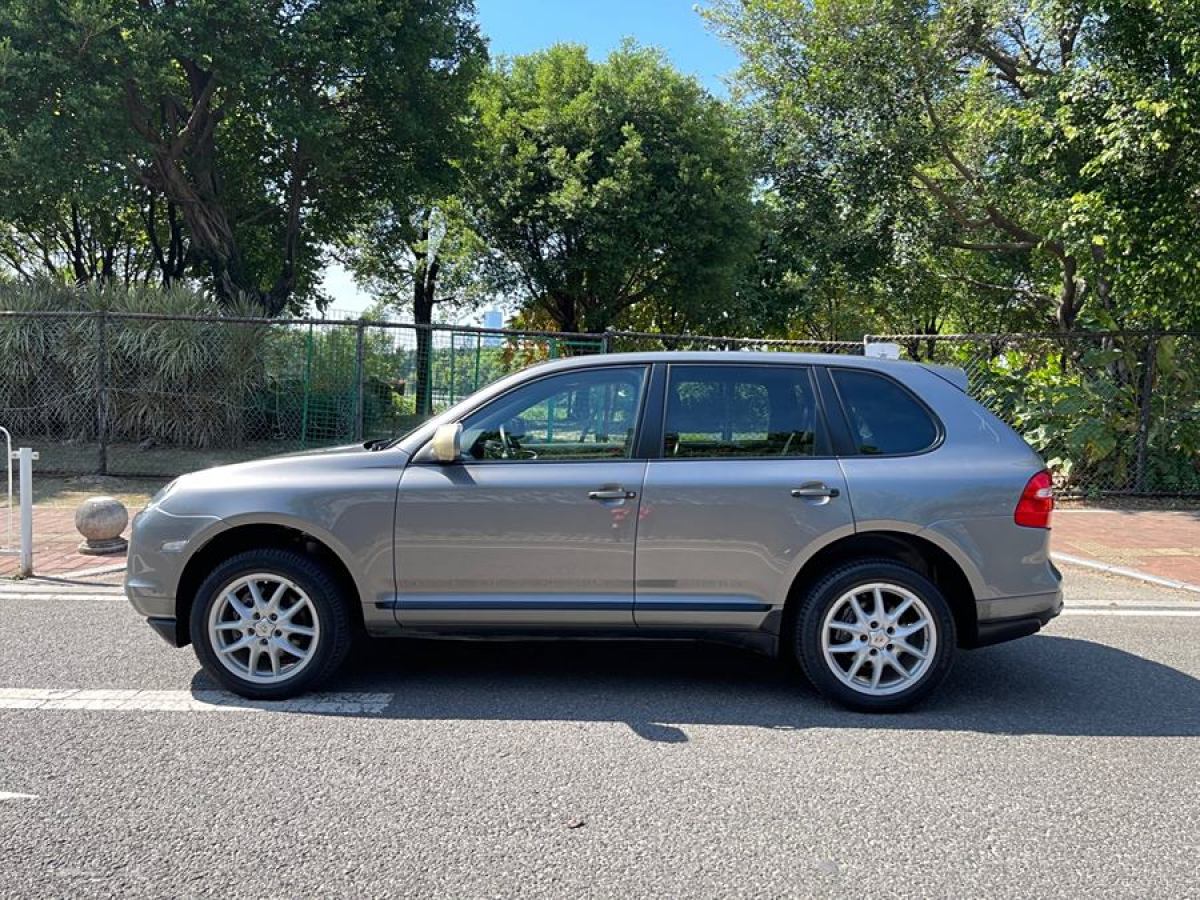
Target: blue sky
<point>513,27</point>
<point>521,26</point>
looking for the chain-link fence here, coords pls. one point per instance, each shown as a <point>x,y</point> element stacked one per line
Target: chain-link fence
<point>143,394</point>
<point>1111,412</point>
<point>139,394</point>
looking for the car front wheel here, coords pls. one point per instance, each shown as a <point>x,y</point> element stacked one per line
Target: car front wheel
<point>875,636</point>
<point>270,624</point>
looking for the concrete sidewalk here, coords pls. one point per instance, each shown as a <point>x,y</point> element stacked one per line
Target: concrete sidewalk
<point>1165,544</point>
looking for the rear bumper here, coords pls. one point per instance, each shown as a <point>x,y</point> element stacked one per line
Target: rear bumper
<point>165,628</point>
<point>1013,617</point>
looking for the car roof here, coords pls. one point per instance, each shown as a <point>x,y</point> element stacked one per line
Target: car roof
<point>751,357</point>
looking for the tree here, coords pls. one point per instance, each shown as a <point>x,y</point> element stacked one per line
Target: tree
<point>1039,155</point>
<point>417,257</point>
<point>268,125</point>
<point>608,187</point>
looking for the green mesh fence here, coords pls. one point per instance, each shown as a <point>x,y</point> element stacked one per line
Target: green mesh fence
<point>142,394</point>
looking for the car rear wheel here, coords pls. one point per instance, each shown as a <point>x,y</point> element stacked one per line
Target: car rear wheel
<point>875,636</point>
<point>270,624</point>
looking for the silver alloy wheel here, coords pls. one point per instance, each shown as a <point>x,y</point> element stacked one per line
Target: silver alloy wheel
<point>263,628</point>
<point>879,639</point>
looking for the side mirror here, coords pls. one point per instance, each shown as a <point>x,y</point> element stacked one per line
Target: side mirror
<point>447,442</point>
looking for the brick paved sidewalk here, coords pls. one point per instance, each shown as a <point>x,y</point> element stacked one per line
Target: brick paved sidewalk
<point>55,553</point>
<point>1161,543</point>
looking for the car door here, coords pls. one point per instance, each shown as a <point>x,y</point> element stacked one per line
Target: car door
<point>535,525</point>
<point>744,487</point>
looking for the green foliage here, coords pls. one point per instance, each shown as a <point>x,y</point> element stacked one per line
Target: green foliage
<point>269,127</point>
<point>608,187</point>
<point>1079,402</point>
<point>182,382</point>
<point>980,165</point>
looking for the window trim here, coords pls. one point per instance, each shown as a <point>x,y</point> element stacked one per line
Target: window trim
<point>939,430</point>
<point>421,456</point>
<point>823,437</point>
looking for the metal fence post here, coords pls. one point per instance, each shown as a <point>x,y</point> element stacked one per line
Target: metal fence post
<point>102,391</point>
<point>25,457</point>
<point>1149,364</point>
<point>359,377</point>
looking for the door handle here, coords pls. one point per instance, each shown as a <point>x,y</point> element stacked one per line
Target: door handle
<point>612,494</point>
<point>815,490</point>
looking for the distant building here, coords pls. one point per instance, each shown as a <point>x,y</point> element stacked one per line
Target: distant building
<point>493,318</point>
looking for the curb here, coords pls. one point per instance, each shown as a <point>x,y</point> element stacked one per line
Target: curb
<point>1126,573</point>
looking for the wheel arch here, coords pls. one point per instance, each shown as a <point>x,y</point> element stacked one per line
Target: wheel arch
<point>916,552</point>
<point>257,535</point>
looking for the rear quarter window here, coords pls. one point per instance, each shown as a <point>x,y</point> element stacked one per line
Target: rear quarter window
<point>884,418</point>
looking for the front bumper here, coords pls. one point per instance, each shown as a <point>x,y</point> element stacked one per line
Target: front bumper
<point>159,546</point>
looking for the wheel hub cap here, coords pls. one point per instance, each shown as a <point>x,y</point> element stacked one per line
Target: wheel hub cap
<point>263,628</point>
<point>879,639</point>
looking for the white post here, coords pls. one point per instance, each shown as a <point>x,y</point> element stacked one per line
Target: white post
<point>25,457</point>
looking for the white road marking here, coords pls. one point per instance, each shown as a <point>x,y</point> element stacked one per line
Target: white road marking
<point>1167,612</point>
<point>10,795</point>
<point>339,703</point>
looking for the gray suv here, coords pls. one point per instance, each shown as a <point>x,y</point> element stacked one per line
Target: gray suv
<point>861,517</point>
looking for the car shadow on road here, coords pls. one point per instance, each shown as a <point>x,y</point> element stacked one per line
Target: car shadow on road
<point>1041,685</point>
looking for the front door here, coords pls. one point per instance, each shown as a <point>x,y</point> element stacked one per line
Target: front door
<point>535,525</point>
<point>746,485</point>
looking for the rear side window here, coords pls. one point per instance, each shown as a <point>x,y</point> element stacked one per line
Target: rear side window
<point>884,417</point>
<point>740,411</point>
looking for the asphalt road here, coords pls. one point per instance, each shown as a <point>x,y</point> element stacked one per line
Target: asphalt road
<point>1060,764</point>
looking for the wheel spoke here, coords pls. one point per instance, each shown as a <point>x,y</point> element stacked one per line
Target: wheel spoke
<point>858,662</point>
<point>903,646</point>
<point>847,647</point>
<point>299,630</point>
<point>273,655</point>
<point>260,604</point>
<point>255,655</point>
<point>293,609</point>
<point>908,631</point>
<point>880,612</point>
<point>900,610</point>
<point>859,615</point>
<point>289,647</point>
<point>891,660</point>
<point>876,670</point>
<point>237,645</point>
<point>241,608</point>
<point>849,627</point>
<point>273,603</point>
<point>231,626</point>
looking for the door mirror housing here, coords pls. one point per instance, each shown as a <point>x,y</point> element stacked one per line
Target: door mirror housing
<point>446,445</point>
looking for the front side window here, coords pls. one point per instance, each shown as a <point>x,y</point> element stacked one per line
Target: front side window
<point>589,414</point>
<point>740,411</point>
<point>884,417</point>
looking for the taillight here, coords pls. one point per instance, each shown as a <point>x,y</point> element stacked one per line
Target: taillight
<point>1036,503</point>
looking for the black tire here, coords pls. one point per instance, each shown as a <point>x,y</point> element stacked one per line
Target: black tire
<point>825,593</point>
<point>335,624</point>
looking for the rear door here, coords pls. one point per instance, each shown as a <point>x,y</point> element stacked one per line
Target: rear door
<point>744,484</point>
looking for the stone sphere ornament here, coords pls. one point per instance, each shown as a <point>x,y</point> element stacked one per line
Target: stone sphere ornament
<point>101,520</point>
